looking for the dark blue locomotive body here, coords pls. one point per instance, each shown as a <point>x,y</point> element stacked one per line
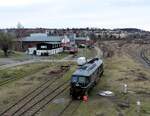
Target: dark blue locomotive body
<point>86,77</point>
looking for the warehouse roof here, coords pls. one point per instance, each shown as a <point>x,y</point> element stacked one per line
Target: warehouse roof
<point>42,37</point>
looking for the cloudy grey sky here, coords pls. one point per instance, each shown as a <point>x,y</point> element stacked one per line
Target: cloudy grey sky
<point>75,13</point>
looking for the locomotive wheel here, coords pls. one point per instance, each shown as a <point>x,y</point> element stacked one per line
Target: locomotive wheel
<point>74,97</point>
<point>102,73</point>
<point>95,83</point>
<point>70,92</point>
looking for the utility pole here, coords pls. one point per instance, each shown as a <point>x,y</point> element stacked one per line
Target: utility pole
<point>86,50</point>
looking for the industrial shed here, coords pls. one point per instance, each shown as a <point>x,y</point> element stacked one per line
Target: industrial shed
<point>42,44</point>
<point>48,48</point>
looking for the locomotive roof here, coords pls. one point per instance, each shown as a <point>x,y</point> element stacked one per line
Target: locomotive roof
<point>88,68</point>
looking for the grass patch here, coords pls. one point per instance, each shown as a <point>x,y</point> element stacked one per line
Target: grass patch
<point>147,53</point>
<point>70,72</point>
<point>59,56</point>
<point>11,74</point>
<point>13,54</point>
<point>117,71</point>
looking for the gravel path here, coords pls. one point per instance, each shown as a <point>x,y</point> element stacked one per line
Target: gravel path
<point>4,61</point>
<point>31,61</point>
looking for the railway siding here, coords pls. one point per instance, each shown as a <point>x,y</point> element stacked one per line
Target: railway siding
<point>144,56</point>
<point>27,98</point>
<point>70,108</point>
<point>30,103</point>
<point>18,72</point>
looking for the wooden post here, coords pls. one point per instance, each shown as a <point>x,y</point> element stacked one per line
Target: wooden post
<point>138,108</point>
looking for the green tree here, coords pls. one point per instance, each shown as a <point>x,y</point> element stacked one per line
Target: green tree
<point>6,42</point>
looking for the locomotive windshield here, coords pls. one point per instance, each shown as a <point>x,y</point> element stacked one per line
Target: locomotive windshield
<point>74,79</point>
<point>80,79</point>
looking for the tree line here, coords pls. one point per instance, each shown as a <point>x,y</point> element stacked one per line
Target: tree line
<point>6,42</point>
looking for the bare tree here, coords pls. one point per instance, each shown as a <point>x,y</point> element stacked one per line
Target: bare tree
<point>6,42</point>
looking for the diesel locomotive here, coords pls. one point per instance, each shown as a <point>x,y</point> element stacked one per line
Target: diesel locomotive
<point>85,78</point>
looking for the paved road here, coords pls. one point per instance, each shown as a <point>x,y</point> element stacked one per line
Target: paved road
<point>4,61</point>
<point>66,59</point>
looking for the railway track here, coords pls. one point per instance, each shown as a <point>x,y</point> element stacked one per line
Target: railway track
<point>9,80</point>
<point>29,104</point>
<point>71,106</point>
<point>42,106</point>
<point>37,106</point>
<point>143,56</point>
<point>12,79</point>
<point>23,98</point>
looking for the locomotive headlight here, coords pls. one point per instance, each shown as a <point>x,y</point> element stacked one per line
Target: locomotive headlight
<point>77,85</point>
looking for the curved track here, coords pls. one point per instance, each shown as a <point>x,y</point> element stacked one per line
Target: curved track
<point>71,106</point>
<point>65,108</point>
<point>13,79</point>
<point>143,56</point>
<point>9,80</point>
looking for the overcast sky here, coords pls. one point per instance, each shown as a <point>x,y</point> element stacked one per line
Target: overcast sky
<point>75,13</point>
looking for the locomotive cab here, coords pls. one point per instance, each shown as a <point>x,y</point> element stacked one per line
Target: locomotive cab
<point>78,86</point>
<point>85,77</point>
<point>79,81</point>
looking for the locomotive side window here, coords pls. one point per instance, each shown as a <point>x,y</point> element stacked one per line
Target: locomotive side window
<point>87,80</point>
<point>99,70</point>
